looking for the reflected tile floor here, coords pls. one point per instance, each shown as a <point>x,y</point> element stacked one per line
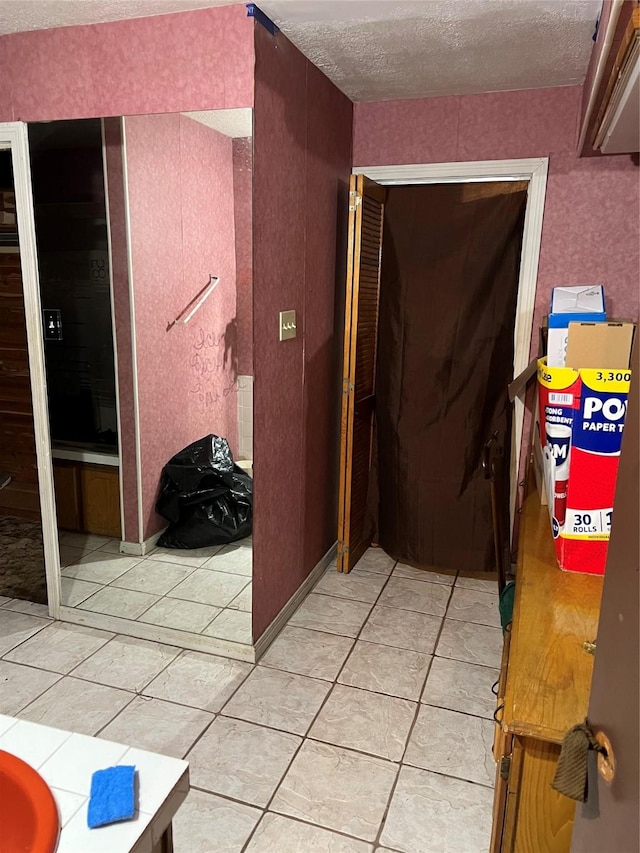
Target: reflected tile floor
<point>322,747</point>
<point>203,591</point>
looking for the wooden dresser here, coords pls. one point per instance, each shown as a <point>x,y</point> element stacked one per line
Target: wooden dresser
<point>543,691</point>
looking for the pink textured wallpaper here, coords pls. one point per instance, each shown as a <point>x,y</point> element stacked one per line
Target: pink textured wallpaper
<point>590,231</point>
<point>5,91</point>
<point>180,179</point>
<point>195,60</point>
<point>302,148</point>
<point>327,189</point>
<point>122,317</point>
<point>243,210</point>
<point>187,61</point>
<point>279,136</point>
<point>591,218</point>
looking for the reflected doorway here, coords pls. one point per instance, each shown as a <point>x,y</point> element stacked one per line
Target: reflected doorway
<point>22,565</point>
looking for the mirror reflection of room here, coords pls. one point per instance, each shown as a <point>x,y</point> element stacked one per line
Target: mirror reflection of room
<point>144,243</point>
<point>22,565</point>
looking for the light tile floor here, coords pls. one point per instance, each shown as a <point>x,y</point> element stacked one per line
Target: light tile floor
<point>366,726</point>
<point>204,591</point>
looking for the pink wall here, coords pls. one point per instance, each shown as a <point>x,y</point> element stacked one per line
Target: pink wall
<point>189,61</point>
<point>590,231</point>
<point>180,182</point>
<point>122,319</point>
<point>302,160</point>
<point>591,225</point>
<point>243,210</point>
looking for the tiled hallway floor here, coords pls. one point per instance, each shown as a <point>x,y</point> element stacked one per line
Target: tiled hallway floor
<point>366,726</point>
<point>204,591</point>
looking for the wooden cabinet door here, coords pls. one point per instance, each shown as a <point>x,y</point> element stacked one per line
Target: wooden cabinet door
<point>101,500</point>
<point>68,501</point>
<point>366,213</point>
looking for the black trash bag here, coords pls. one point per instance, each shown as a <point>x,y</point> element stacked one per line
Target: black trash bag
<point>207,499</point>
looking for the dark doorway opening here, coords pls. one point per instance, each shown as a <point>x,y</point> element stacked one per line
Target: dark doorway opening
<point>448,294</point>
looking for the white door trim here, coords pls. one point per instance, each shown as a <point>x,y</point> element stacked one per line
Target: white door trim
<point>134,343</point>
<point>532,170</point>
<point>13,137</point>
<point>114,329</point>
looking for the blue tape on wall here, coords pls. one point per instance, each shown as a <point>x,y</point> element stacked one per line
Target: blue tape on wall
<point>254,12</point>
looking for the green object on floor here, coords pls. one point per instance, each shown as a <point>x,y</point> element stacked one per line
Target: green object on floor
<point>505,605</point>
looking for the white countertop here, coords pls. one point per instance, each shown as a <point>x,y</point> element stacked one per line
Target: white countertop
<point>67,761</point>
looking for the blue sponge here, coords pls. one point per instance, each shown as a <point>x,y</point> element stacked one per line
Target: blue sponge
<point>112,795</point>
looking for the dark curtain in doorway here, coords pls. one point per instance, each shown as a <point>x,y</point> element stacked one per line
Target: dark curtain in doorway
<point>450,269</point>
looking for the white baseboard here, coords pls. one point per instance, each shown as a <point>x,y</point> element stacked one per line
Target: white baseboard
<point>139,549</point>
<point>262,644</point>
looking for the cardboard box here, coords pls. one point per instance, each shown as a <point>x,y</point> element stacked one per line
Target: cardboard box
<point>582,417</point>
<point>600,345</point>
<point>581,303</point>
<point>576,301</point>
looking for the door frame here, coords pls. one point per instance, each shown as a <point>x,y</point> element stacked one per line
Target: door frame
<point>14,138</point>
<point>534,170</point>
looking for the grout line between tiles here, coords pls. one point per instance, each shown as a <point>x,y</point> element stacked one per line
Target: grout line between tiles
<point>32,666</point>
<point>228,798</point>
<point>475,622</point>
<point>306,737</point>
<point>455,711</point>
<point>355,749</point>
<point>136,640</point>
<point>401,764</point>
<point>319,711</point>
<point>301,820</point>
<point>378,841</point>
<point>435,646</point>
<point>358,635</point>
<point>162,594</point>
<point>448,775</point>
<point>323,703</point>
<point>37,631</point>
<point>132,695</point>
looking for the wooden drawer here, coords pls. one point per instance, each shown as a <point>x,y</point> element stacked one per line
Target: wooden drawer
<point>66,482</point>
<point>544,684</point>
<point>87,497</point>
<point>100,485</point>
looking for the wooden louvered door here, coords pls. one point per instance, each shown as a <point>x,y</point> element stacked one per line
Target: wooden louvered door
<point>366,212</point>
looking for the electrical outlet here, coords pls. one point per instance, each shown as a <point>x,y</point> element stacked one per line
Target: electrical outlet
<point>287,325</point>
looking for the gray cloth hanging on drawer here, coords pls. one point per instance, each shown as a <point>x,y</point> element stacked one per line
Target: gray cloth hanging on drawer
<point>570,777</point>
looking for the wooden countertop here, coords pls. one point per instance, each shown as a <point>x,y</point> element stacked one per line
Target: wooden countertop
<point>549,673</point>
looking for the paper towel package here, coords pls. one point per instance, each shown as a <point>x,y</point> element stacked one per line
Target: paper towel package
<point>572,304</point>
<point>582,415</point>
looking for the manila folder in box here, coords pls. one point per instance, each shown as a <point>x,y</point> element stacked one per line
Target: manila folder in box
<point>599,345</point>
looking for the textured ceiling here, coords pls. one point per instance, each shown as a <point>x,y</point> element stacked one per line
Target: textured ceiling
<point>385,49</point>
<point>382,49</point>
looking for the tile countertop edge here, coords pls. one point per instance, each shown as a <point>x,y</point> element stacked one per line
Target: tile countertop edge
<point>165,814</point>
<point>156,816</point>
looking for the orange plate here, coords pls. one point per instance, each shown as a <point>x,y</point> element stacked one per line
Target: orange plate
<point>28,812</point>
